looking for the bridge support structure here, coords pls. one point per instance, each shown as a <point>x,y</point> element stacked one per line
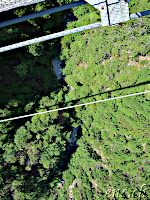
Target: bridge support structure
<point>112,11</point>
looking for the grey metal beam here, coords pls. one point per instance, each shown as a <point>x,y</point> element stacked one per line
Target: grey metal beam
<point>41,13</point>
<point>63,33</point>
<point>50,36</point>
<point>140,14</point>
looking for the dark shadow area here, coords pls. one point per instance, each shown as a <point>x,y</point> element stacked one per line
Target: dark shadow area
<point>26,73</point>
<point>93,154</point>
<point>106,92</point>
<point>29,30</point>
<point>41,13</point>
<point>64,104</point>
<point>73,102</point>
<point>25,77</point>
<point>55,174</point>
<point>70,150</point>
<point>34,28</point>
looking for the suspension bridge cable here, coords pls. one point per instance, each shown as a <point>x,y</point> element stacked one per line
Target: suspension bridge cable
<point>41,13</point>
<point>63,33</point>
<point>66,108</point>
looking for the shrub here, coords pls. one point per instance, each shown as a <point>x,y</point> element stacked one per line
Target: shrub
<point>144,62</point>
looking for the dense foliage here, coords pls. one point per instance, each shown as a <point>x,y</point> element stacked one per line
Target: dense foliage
<point>111,159</point>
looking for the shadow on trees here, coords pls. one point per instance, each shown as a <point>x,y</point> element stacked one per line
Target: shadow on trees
<point>67,154</point>
<point>55,174</point>
<point>101,93</point>
<point>109,92</point>
<point>26,73</point>
<point>26,78</point>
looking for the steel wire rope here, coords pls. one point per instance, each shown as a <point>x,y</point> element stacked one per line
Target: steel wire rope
<point>79,105</point>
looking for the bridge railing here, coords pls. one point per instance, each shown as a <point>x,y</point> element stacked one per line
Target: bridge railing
<point>11,4</point>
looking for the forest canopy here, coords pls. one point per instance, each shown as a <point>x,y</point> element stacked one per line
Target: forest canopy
<point>110,158</point>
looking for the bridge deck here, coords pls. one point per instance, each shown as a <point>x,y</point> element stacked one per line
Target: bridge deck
<point>10,4</point>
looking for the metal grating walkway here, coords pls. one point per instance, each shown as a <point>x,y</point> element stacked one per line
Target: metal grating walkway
<point>10,4</point>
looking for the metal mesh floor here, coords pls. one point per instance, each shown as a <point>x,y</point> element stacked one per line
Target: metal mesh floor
<point>10,4</point>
